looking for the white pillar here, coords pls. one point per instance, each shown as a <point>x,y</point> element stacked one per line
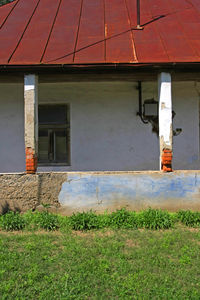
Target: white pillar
<point>165,121</point>
<point>31,121</point>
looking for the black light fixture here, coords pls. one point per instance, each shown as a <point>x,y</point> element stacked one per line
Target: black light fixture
<point>150,109</point>
<point>148,112</point>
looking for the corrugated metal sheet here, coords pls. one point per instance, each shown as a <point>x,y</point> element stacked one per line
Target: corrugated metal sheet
<point>36,32</point>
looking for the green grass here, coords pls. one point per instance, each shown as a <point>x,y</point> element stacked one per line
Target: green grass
<point>114,264</point>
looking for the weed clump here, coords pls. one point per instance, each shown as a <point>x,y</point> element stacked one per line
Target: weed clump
<point>47,221</point>
<point>155,219</point>
<point>41,220</point>
<point>12,221</point>
<point>123,218</point>
<point>84,221</point>
<point>189,218</point>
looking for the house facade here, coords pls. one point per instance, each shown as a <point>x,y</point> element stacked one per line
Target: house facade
<point>100,104</point>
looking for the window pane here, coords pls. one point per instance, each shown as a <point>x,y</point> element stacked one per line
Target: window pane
<point>61,146</point>
<point>53,142</point>
<point>43,145</point>
<point>52,114</point>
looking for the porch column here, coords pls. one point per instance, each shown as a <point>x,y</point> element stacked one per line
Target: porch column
<point>165,121</point>
<point>31,121</point>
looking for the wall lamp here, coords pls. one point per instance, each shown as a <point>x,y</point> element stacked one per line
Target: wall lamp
<point>148,112</point>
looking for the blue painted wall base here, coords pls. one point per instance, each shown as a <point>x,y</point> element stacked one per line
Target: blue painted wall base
<point>102,191</point>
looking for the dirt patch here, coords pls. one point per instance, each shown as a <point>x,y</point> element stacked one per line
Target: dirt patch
<point>191,229</point>
<point>93,233</point>
<point>106,233</point>
<point>131,244</point>
<point>38,232</point>
<point>196,242</point>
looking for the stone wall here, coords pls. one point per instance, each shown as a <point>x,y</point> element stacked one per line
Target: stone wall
<point>22,191</point>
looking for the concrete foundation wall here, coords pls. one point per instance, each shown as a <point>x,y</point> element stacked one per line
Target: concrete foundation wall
<point>100,191</point>
<point>106,134</point>
<point>133,190</point>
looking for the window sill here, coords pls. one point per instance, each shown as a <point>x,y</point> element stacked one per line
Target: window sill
<point>53,165</point>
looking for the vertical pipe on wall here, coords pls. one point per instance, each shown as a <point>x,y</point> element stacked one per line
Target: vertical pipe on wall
<point>31,121</point>
<point>138,13</point>
<point>139,27</point>
<point>165,121</point>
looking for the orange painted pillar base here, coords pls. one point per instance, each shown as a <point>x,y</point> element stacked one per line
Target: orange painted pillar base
<point>167,160</point>
<point>31,161</point>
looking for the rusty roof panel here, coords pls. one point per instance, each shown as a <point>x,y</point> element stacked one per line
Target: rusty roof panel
<point>63,38</point>
<point>14,27</point>
<point>33,45</point>
<point>91,31</point>
<point>99,31</point>
<point>119,44</point>
<point>148,40</point>
<point>5,12</point>
<point>175,41</point>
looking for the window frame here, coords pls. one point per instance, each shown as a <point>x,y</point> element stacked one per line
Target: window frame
<point>56,127</point>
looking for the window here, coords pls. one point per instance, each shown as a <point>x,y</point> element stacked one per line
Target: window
<point>54,135</point>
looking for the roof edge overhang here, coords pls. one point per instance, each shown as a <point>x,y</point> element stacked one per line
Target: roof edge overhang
<point>156,67</point>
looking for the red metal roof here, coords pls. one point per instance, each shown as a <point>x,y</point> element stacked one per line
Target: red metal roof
<point>36,32</point>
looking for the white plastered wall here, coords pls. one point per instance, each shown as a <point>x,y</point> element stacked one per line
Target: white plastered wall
<point>12,150</point>
<point>106,134</point>
<point>186,107</point>
<point>185,102</point>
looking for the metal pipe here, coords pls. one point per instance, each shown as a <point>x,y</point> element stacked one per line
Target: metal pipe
<point>139,27</point>
<point>140,112</point>
<point>140,98</point>
<point>138,13</point>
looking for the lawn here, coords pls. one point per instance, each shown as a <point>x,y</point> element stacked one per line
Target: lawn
<point>109,264</point>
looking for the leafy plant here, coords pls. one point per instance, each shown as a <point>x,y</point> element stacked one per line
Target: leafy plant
<point>46,220</point>
<point>12,221</point>
<point>31,220</point>
<point>64,223</point>
<point>189,218</point>
<point>84,221</point>
<point>155,219</point>
<point>104,220</point>
<point>122,218</point>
